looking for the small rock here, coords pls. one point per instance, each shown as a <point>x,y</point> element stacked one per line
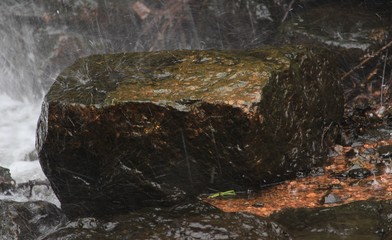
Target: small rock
<point>258,205</point>
<point>350,153</point>
<point>331,198</point>
<point>311,195</point>
<point>6,181</point>
<point>338,149</point>
<point>380,112</point>
<point>336,186</point>
<point>317,171</point>
<point>338,175</point>
<point>359,173</point>
<point>369,151</point>
<point>385,151</point>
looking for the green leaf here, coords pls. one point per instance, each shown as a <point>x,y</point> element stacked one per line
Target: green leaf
<point>223,194</point>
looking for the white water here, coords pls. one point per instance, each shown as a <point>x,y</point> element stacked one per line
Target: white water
<point>20,100</point>
<point>34,46</point>
<point>17,127</point>
<point>17,139</point>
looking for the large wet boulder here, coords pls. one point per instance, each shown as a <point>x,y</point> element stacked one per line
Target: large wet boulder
<point>123,131</point>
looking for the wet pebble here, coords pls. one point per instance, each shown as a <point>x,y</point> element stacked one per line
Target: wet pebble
<point>331,198</point>
<point>359,173</point>
<point>350,153</point>
<point>336,186</point>
<point>369,151</point>
<point>300,174</point>
<point>318,171</point>
<point>258,205</point>
<point>357,144</point>
<point>338,175</point>
<point>6,181</point>
<point>384,149</point>
<point>378,169</point>
<point>338,149</point>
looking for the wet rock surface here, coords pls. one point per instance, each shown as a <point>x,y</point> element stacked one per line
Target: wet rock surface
<point>7,183</point>
<point>187,221</point>
<point>358,220</point>
<point>196,220</point>
<point>362,41</point>
<point>28,220</point>
<point>349,25</point>
<point>123,131</point>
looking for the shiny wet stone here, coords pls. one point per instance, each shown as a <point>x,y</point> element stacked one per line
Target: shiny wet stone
<point>187,221</point>
<point>363,220</point>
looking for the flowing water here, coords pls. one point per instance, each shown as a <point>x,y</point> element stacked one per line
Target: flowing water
<point>17,127</point>
<point>37,40</point>
<point>21,94</point>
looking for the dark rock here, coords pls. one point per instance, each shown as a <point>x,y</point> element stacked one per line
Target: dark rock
<point>28,220</point>
<point>122,131</point>
<point>359,173</point>
<point>350,153</point>
<point>258,205</point>
<point>359,220</point>
<point>385,152</point>
<point>348,25</point>
<point>338,175</point>
<point>317,171</point>
<point>187,221</point>
<point>387,115</point>
<point>7,183</point>
<point>350,28</point>
<point>361,104</point>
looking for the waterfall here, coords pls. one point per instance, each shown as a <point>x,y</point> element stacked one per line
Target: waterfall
<point>21,89</point>
<point>37,40</point>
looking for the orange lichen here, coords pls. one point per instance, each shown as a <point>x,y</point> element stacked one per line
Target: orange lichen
<point>309,192</point>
